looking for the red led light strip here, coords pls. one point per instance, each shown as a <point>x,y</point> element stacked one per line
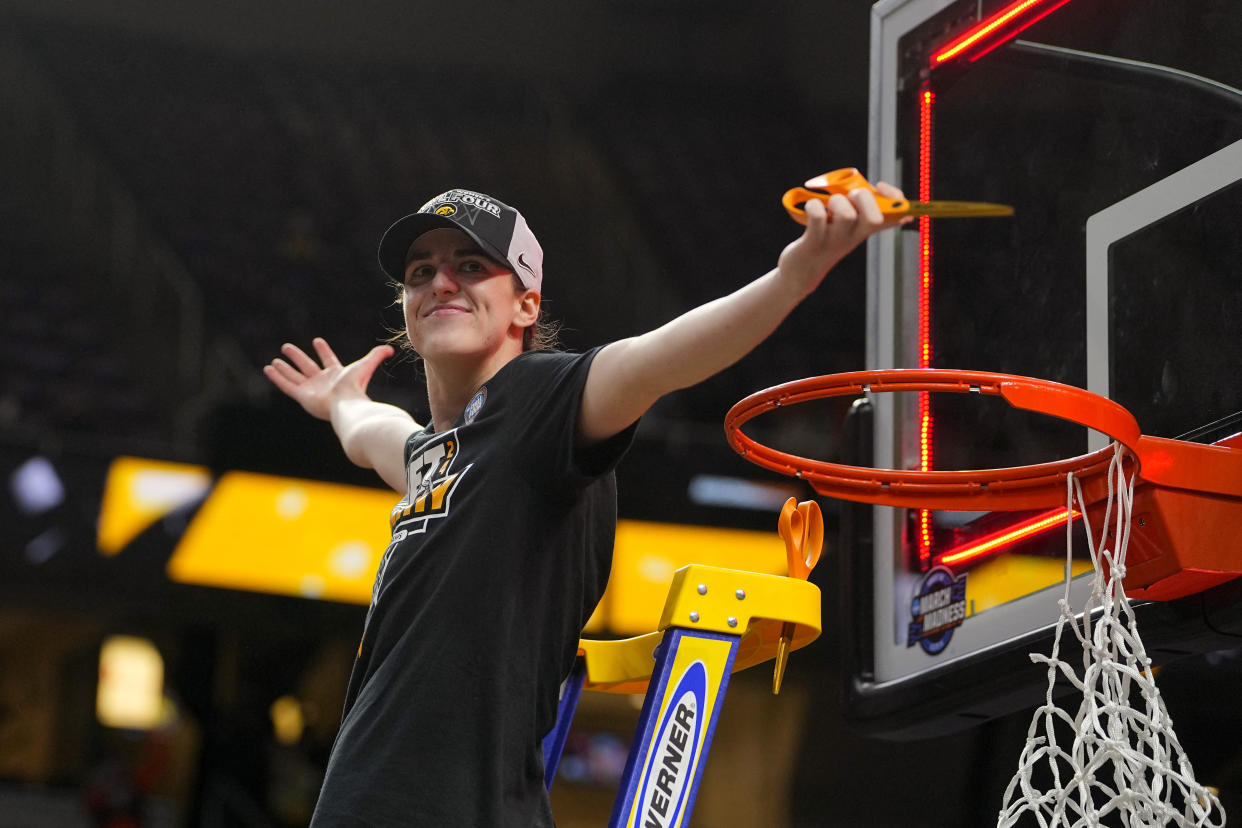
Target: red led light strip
<point>1001,27</point>
<point>926,100</point>
<point>998,24</point>
<point>1013,534</point>
<point>1026,24</point>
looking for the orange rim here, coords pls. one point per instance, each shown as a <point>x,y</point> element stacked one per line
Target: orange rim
<point>1036,486</point>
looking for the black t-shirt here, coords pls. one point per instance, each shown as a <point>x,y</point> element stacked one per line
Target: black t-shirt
<point>500,551</point>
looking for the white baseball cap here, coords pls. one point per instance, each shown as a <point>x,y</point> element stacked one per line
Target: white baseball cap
<point>496,227</point>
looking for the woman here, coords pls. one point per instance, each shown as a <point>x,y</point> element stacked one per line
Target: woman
<point>503,537</point>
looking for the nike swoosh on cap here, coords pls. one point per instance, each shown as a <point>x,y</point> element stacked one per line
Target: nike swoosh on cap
<point>522,261</point>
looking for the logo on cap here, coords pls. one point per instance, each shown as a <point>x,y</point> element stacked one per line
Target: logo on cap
<point>446,210</point>
<point>521,259</point>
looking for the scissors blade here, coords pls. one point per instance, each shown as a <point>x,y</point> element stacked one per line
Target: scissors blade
<point>957,209</point>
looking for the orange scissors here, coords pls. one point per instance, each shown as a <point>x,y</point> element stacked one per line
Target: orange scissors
<point>842,181</point>
<point>802,527</point>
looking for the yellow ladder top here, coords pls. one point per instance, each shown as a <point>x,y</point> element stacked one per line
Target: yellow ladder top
<point>710,599</point>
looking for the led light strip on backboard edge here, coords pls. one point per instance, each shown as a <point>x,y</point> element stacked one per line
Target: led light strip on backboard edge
<point>891,264</point>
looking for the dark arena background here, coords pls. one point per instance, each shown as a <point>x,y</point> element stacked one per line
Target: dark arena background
<point>186,557</point>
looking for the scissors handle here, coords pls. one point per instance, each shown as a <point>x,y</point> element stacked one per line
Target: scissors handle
<point>801,525</point>
<point>839,182</point>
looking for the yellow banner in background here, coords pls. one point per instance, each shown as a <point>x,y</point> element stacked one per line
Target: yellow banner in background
<point>139,492</point>
<point>288,536</point>
<point>1009,577</point>
<point>647,554</point>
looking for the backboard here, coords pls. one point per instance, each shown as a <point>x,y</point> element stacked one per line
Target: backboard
<point>1115,131</point>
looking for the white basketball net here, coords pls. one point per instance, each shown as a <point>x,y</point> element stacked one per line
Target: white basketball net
<point>1115,760</point>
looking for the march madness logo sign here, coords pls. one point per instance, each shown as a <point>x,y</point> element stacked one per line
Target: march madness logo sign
<point>936,610</point>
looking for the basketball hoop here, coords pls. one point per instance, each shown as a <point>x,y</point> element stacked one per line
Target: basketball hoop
<point>1166,512</point>
<point>1185,492</point>
<point>1038,486</point>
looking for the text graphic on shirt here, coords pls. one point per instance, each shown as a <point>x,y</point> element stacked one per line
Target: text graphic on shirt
<point>430,482</point>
